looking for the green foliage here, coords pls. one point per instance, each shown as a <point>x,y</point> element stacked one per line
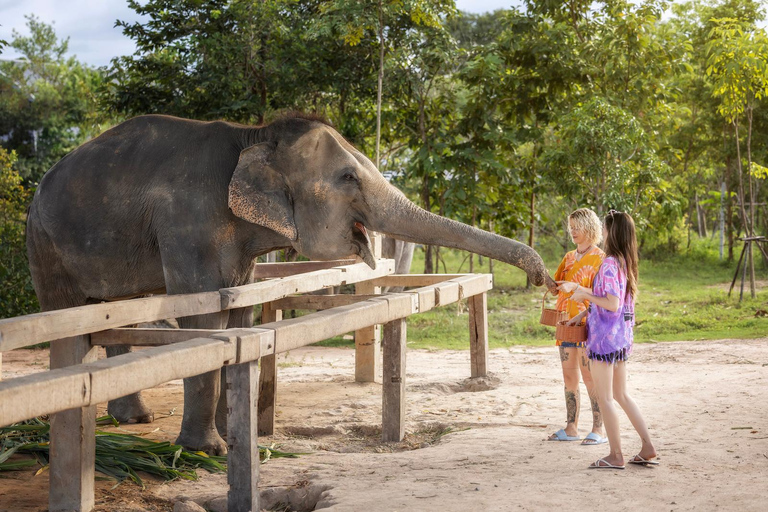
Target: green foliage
<point>118,456</point>
<point>17,296</point>
<point>47,102</point>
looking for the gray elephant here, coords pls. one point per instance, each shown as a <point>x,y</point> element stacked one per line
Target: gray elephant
<point>160,204</point>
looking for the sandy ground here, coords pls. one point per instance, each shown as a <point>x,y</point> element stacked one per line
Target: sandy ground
<point>478,445</point>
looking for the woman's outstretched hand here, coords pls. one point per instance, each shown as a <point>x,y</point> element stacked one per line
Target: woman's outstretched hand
<point>566,286</point>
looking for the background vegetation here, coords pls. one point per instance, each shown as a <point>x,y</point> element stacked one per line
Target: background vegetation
<point>506,121</point>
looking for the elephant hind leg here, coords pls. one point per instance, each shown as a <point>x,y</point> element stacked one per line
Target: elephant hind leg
<point>130,408</point>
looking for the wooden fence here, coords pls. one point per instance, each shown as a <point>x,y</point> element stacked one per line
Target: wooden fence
<point>77,382</point>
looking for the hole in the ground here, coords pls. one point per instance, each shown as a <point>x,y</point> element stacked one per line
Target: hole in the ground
<point>300,497</point>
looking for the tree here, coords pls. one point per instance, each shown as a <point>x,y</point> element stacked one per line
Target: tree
<point>17,296</point>
<point>738,61</point>
<point>389,20</point>
<point>47,101</point>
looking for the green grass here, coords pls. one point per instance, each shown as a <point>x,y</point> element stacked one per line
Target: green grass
<point>681,298</point>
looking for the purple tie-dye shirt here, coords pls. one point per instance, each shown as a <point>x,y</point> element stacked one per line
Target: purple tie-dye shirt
<point>609,333</point>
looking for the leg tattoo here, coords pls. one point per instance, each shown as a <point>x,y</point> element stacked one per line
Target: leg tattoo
<point>572,405</point>
<point>563,354</point>
<point>597,418</point>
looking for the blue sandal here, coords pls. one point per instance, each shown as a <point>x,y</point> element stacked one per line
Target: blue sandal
<point>593,438</point>
<point>560,435</point>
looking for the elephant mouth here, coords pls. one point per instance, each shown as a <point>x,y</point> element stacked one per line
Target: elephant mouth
<point>362,242</point>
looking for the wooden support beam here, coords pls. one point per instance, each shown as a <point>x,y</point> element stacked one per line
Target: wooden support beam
<point>272,270</point>
<point>367,342</point>
<point>148,337</point>
<point>319,302</point>
<point>242,437</point>
<point>393,384</point>
<point>268,377</point>
<point>106,379</point>
<point>478,335</point>
<point>413,280</point>
<point>273,289</point>
<point>308,329</point>
<point>473,284</point>
<point>122,375</point>
<point>53,325</point>
<point>73,438</point>
<point>446,293</point>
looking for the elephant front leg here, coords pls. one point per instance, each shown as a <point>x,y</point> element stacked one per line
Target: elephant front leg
<point>130,408</point>
<point>201,396</point>
<point>198,427</point>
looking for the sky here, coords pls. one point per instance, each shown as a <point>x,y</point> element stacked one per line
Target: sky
<point>90,24</point>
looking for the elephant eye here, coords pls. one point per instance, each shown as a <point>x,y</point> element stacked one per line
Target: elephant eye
<point>349,176</point>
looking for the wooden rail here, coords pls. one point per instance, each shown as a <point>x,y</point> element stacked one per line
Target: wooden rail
<point>53,325</point>
<point>184,353</point>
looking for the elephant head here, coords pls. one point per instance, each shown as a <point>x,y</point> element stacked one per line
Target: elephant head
<point>307,183</point>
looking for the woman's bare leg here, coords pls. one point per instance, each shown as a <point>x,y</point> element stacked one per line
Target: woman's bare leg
<point>602,373</point>
<point>570,363</point>
<point>647,451</point>
<point>586,375</point>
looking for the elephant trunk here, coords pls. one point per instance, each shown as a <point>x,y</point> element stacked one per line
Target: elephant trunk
<point>400,218</point>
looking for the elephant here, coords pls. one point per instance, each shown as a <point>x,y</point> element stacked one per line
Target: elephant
<point>159,204</point>
<point>402,253</point>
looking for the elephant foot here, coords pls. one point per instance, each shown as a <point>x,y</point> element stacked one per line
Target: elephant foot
<point>209,442</point>
<point>131,409</point>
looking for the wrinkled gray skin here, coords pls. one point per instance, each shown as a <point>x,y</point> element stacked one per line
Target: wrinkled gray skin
<point>160,204</point>
<point>402,253</point>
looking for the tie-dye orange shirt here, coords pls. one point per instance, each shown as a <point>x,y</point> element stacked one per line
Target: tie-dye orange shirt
<point>581,272</point>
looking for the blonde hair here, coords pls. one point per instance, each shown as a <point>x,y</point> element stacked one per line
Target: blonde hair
<point>587,221</point>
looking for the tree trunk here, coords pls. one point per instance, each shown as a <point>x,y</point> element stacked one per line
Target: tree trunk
<point>532,230</point>
<point>428,249</point>
<point>752,200</point>
<point>381,82</point>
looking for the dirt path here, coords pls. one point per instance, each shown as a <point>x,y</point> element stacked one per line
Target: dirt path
<point>479,445</point>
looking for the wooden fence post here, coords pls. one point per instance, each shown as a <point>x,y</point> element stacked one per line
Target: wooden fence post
<point>478,334</point>
<point>242,437</point>
<point>393,386</point>
<point>73,437</point>
<point>368,339</point>
<point>268,377</point>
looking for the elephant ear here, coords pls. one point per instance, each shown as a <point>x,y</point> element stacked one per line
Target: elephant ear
<point>258,193</point>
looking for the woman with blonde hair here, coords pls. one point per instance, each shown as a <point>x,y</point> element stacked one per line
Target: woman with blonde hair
<point>579,266</point>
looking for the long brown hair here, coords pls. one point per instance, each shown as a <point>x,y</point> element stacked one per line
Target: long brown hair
<point>621,243</point>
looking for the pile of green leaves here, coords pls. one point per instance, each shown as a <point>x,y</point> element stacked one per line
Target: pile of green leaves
<point>118,456</point>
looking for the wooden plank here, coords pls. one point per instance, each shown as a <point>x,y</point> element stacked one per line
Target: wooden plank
<point>413,280</point>
<point>426,297</point>
<point>401,305</point>
<point>298,332</point>
<point>252,342</point>
<point>362,272</point>
<point>273,289</point>
<point>319,302</point>
<point>242,437</point>
<point>272,270</point>
<point>22,398</point>
<point>73,444</point>
<point>268,376</point>
<point>393,383</point>
<point>446,293</point>
<point>148,337</point>
<point>122,375</point>
<point>473,284</point>
<point>52,325</point>
<point>478,334</point>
